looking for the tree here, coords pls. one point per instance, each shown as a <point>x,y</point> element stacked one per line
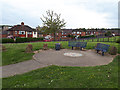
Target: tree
<point>52,23</point>
<point>108,33</point>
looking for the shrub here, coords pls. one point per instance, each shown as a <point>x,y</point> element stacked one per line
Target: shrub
<point>6,40</point>
<point>22,40</point>
<point>118,41</point>
<point>108,33</point>
<point>87,36</point>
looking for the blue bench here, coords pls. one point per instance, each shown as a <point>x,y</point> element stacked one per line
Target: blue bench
<point>102,47</point>
<point>77,44</point>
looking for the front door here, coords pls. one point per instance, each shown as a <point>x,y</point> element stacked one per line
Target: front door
<point>29,34</point>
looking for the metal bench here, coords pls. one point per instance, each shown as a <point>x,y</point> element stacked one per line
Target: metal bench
<point>77,44</point>
<point>102,47</point>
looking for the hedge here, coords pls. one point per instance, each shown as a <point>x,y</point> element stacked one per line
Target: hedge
<point>118,41</point>
<point>87,36</point>
<point>7,40</point>
<point>21,40</point>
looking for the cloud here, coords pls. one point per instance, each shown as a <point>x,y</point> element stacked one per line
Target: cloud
<point>77,13</point>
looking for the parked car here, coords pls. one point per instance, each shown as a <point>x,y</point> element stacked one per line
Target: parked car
<point>47,40</point>
<point>10,36</point>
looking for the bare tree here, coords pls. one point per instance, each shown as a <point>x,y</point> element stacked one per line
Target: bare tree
<point>52,23</point>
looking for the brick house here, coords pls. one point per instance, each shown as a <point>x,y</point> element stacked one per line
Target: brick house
<point>22,31</point>
<point>63,34</point>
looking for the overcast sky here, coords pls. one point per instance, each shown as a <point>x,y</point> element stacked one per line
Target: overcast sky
<point>76,13</point>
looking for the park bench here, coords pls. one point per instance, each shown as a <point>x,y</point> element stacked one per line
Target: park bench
<point>77,44</point>
<point>102,47</point>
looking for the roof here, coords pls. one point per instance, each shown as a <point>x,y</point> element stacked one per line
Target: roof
<point>21,28</point>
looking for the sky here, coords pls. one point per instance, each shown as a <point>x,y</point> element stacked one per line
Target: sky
<point>76,13</point>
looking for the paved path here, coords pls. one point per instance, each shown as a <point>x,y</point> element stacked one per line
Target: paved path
<point>20,68</point>
<point>52,57</point>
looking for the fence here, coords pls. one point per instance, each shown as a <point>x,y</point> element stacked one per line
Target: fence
<point>99,39</point>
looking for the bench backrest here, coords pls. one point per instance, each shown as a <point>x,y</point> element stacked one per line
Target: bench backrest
<point>77,44</point>
<point>103,47</point>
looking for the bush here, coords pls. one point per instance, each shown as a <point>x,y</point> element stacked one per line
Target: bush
<point>87,36</point>
<point>22,40</point>
<point>118,41</point>
<point>71,36</point>
<point>108,33</point>
<point>6,40</point>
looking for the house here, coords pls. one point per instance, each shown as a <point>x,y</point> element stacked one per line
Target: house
<point>22,31</point>
<point>64,33</point>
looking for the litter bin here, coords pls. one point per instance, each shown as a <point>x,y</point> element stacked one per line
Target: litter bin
<point>57,46</point>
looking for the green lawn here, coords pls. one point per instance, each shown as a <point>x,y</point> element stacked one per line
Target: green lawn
<point>111,39</point>
<point>16,52</point>
<point>105,76</point>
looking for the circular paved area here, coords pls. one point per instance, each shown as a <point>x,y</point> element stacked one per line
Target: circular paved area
<point>88,58</point>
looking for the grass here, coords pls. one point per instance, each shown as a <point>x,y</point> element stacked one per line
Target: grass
<point>111,39</point>
<point>105,76</point>
<point>16,52</point>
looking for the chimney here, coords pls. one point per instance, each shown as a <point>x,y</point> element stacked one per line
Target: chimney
<point>22,23</point>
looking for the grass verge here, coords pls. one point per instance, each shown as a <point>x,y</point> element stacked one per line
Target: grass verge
<point>105,76</point>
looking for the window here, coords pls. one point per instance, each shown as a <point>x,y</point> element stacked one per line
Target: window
<point>8,32</point>
<point>34,32</point>
<point>21,32</point>
<point>29,32</point>
<point>62,33</point>
<point>74,32</point>
<point>15,32</point>
<point>78,32</point>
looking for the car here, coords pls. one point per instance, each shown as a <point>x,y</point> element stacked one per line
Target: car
<point>47,40</point>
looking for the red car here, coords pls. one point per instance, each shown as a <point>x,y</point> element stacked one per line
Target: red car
<point>47,40</point>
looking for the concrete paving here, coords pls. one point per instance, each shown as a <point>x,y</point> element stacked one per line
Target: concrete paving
<point>52,57</point>
<point>89,58</point>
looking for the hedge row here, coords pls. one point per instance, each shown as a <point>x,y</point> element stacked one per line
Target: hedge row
<point>21,40</point>
<point>87,36</point>
<point>6,40</point>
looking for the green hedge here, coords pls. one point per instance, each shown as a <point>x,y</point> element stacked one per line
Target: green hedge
<point>87,36</point>
<point>7,40</point>
<point>21,40</point>
<point>118,41</point>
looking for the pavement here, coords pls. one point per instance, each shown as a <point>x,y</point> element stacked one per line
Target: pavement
<point>51,57</point>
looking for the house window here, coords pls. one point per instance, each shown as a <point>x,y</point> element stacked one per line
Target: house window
<point>74,32</point>
<point>78,32</point>
<point>8,32</point>
<point>29,32</point>
<point>21,32</point>
<point>62,33</point>
<point>15,32</point>
<point>34,32</point>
